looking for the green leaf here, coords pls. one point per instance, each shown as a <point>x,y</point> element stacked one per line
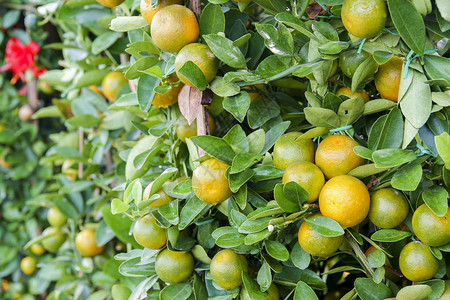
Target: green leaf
<point>224,49</point>
<point>322,117</point>
<point>333,47</point>
<point>279,41</point>
<point>376,259</point>
<point>104,41</point>
<point>212,19</point>
<point>273,134</point>
<point>272,66</point>
<point>286,204</point>
<point>295,23</point>
<point>436,198</point>
<point>256,141</point>
<point>377,105</point>
<point>198,285</point>
<point>437,67</point>
<point>389,235</point>
<point>387,131</point>
<point>224,89</point>
<point>120,291</point>
<point>366,170</point>
<point>388,158</point>
<point>180,291</point>
<point>295,193</point>
<point>120,224</point>
<point>254,238</point>
<point>304,292</point>
<point>243,161</point>
<point>414,292</point>
<point>299,257</point>
<point>252,288</point>
<point>407,178</point>
<point>194,74</point>
<point>236,138</point>
<point>262,111</point>
<point>382,57</point>
<point>145,91</point>
<point>229,240</point>
<point>239,179</point>
<point>325,226</point>
<point>277,250</point>
<point>237,105</point>
<point>92,77</point>
<point>190,211</point>
<point>367,289</point>
<point>307,68</point>
<point>124,24</point>
<point>350,111</point>
<point>216,147</point>
<point>117,206</point>
<point>443,144</point>
<point>161,179</point>
<point>264,277</point>
<point>85,121</point>
<point>136,69</point>
<point>409,24</point>
<point>254,226</point>
<point>364,70</point>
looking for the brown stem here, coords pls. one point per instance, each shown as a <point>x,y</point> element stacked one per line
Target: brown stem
<point>32,95</point>
<point>195,6</point>
<point>202,126</point>
<point>80,148</point>
<point>108,160</point>
<point>124,58</point>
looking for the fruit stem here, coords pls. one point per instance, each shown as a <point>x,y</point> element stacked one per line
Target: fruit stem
<point>360,255</point>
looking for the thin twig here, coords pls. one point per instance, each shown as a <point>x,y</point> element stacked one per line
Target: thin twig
<point>80,148</point>
<point>124,58</point>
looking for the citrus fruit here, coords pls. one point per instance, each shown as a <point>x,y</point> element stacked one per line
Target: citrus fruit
<point>148,234</point>
<point>388,208</point>
<point>209,182</point>
<point>69,169</point>
<point>94,88</point>
<point>336,294</point>
<point>253,92</point>
<point>55,238</point>
<point>345,199</point>
<point>289,148</point>
<point>4,164</point>
<point>163,197</point>
<point>173,27</point>
<point>202,57</point>
<point>28,265</point>
<point>184,130</point>
<point>308,176</point>
<point>86,243</point>
<point>167,99</point>
<point>226,268</point>
<point>25,112</point>
<point>364,18</point>
<point>110,3</point>
<point>174,267</point>
<point>335,156</point>
<point>346,91</point>
<point>387,79</point>
<point>148,12</point>
<point>417,263</point>
<point>37,249</point>
<point>112,83</point>
<point>55,217</point>
<point>349,60</point>
<point>272,293</point>
<point>429,228</point>
<point>316,244</point>
<point>446,294</point>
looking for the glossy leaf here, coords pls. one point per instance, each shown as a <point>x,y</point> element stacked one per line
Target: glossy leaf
<point>325,226</point>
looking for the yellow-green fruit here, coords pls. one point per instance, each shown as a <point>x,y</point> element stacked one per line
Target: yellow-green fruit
<point>174,267</point>
<point>54,239</point>
<point>28,265</point>
<point>417,263</point>
<point>55,217</point>
<point>37,249</point>
<point>272,292</point>
<point>148,12</point>
<point>112,83</point>
<point>226,269</point>
<point>388,208</point>
<point>308,176</point>
<point>110,3</point>
<point>202,57</point>
<point>364,18</point>
<point>430,229</point>
<point>316,244</point>
<point>148,234</point>
<point>290,148</point>
<point>446,294</point>
<point>349,61</point>
<point>86,243</point>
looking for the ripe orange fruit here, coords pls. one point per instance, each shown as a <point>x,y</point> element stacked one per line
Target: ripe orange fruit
<point>388,208</point>
<point>349,60</point>
<point>272,292</point>
<point>335,155</point>
<point>174,267</point>
<point>202,57</point>
<point>184,130</point>
<point>430,229</point>
<point>173,27</point>
<point>226,268</point>
<point>209,182</point>
<point>364,18</point>
<point>148,12</point>
<point>308,176</point>
<point>55,238</point>
<point>289,148</point>
<point>37,249</point>
<point>163,197</point>
<point>167,99</point>
<point>387,79</point>
<point>316,244</point>
<point>86,243</point>
<point>110,3</point>
<point>345,199</point>
<point>28,265</point>
<point>112,83</point>
<point>25,112</point>
<point>417,263</point>
<point>55,217</point>
<point>148,234</point>
<point>346,91</point>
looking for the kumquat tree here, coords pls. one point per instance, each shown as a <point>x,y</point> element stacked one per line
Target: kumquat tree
<point>225,149</point>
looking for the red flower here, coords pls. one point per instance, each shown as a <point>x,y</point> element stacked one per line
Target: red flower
<point>20,58</point>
